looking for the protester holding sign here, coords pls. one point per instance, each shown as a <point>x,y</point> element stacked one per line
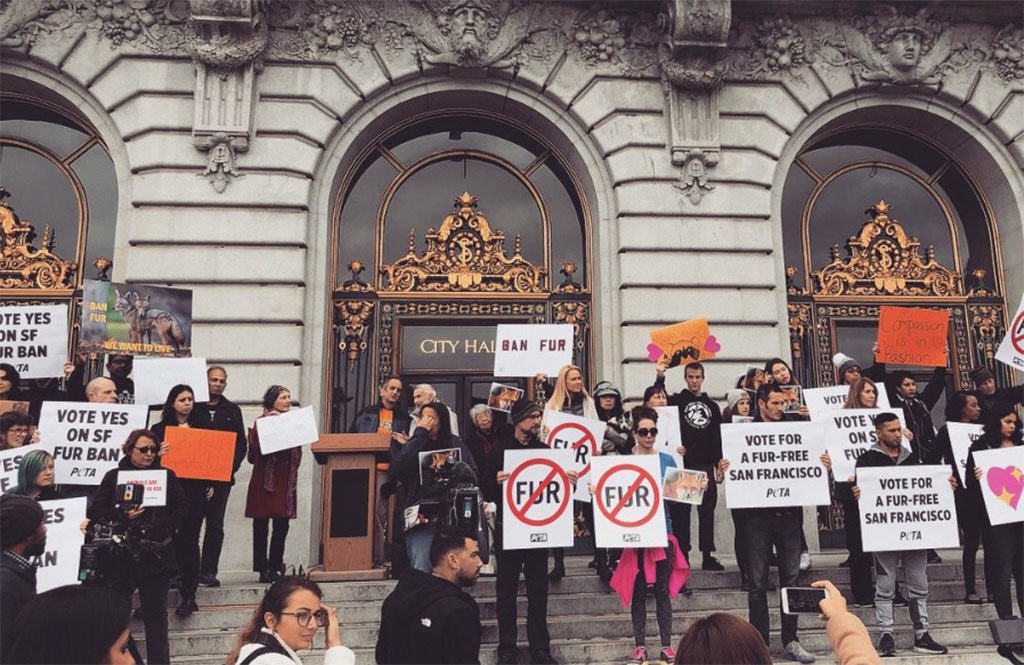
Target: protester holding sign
<point>151,575</point>
<point>738,410</point>
<point>179,411</point>
<point>22,536</point>
<point>989,394</point>
<point>1004,543</point>
<point>917,410</point>
<point>617,441</point>
<point>427,492</point>
<point>889,451</point>
<point>273,491</point>
<point>963,407</point>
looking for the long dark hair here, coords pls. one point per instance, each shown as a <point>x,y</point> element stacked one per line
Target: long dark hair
<point>89,619</point>
<point>444,432</point>
<point>12,376</point>
<point>775,361</point>
<point>722,638</point>
<point>168,416</point>
<point>992,434</point>
<point>274,601</point>
<point>955,405</point>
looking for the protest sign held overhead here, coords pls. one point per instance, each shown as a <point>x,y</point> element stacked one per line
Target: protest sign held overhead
<point>772,465</point>
<point>848,435</point>
<point>581,436</point>
<point>287,430</point>
<point>1002,483</point>
<point>683,343</point>
<point>961,436</point>
<point>154,378</point>
<point>201,454</point>
<point>912,336</point>
<point>34,339</point>
<point>136,319</point>
<point>537,500</point>
<point>628,510</point>
<point>153,480</point>
<point>86,437</point>
<point>820,400</point>
<point>10,460</point>
<point>529,349</point>
<point>1011,349</point>
<point>907,507</point>
<point>669,437</point>
<point>58,565</point>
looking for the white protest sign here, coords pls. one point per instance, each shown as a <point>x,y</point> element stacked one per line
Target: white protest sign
<point>1002,483</point>
<point>529,349</point>
<point>1011,349</point>
<point>581,436</point>
<point>86,437</point>
<point>848,435</point>
<point>961,436</point>
<point>773,465</point>
<point>10,460</point>
<point>291,429</point>
<point>820,400</point>
<point>154,378</point>
<point>537,510</point>
<point>669,437</point>
<point>58,565</point>
<point>628,510</point>
<point>907,507</point>
<point>34,339</point>
<point>153,480</point>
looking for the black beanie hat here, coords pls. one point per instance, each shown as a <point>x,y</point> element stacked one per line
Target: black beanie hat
<point>523,408</point>
<point>20,516</point>
<point>980,375</point>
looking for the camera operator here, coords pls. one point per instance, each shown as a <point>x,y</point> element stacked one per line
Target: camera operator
<point>22,536</point>
<point>428,488</point>
<point>153,562</point>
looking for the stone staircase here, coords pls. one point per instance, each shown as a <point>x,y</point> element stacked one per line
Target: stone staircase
<point>589,625</point>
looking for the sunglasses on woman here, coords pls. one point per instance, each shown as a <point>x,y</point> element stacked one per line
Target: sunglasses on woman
<point>305,616</point>
<point>147,450</point>
<point>643,431</point>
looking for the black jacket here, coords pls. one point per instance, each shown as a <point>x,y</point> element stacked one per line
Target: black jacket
<point>496,462</point>
<point>875,456</point>
<point>17,587</point>
<point>1009,396</point>
<point>428,620</point>
<point>700,426</point>
<point>225,416</point>
<point>918,416</point>
<point>407,467</point>
<point>368,420</point>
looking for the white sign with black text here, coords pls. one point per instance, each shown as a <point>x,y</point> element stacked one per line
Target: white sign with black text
<point>10,460</point>
<point>34,339</point>
<point>628,507</point>
<point>1011,349</point>
<point>153,480</point>
<point>529,349</point>
<point>907,507</point>
<point>537,507</point>
<point>291,429</point>
<point>58,565</point>
<point>848,435</point>
<point>820,400</point>
<point>961,436</point>
<point>773,465</point>
<point>581,436</point>
<point>86,437</point>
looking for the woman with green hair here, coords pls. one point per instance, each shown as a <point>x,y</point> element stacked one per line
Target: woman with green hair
<point>35,476</point>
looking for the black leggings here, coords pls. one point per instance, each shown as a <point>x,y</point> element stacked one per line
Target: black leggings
<point>638,608</point>
<point>260,526</point>
<point>1004,558</point>
<point>966,513</point>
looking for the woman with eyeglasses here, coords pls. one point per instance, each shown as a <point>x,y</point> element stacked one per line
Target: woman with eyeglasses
<point>155,525</point>
<point>285,622</point>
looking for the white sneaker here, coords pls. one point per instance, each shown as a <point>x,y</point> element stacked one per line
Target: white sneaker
<point>805,561</point>
<point>794,651</point>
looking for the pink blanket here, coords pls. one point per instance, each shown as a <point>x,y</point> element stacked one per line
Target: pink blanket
<point>625,574</point>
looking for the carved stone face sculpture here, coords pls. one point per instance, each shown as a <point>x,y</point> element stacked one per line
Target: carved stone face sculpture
<point>468,31</point>
<point>905,50</point>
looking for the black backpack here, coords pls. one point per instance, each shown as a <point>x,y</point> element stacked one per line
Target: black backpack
<point>270,644</point>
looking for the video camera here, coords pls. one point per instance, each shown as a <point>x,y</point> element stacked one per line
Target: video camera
<point>456,502</point>
<point>114,545</point>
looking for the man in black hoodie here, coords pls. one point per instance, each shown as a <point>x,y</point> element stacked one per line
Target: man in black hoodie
<point>22,536</point>
<point>428,618</point>
<point>700,424</point>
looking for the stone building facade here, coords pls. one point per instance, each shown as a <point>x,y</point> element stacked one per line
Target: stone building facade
<point>683,158</point>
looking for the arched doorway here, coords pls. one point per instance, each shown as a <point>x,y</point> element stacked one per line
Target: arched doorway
<point>448,224</point>
<point>929,239</point>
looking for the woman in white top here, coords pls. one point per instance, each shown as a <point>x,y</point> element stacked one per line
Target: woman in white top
<point>286,621</point>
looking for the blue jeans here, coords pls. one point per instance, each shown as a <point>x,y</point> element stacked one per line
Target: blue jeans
<point>418,541</point>
<point>763,528</point>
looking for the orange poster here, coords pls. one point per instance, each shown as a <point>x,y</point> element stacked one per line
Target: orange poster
<point>683,343</point>
<point>913,336</point>
<point>202,454</point>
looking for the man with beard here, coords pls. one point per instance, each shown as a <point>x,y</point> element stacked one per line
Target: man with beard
<point>22,536</point>
<point>428,618</point>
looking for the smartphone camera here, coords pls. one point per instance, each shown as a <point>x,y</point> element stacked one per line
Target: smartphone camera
<point>802,600</point>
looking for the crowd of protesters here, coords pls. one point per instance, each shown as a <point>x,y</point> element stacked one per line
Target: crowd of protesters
<point>429,617</point>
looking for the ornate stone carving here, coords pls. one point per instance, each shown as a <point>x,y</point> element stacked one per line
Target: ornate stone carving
<point>465,255</point>
<point>774,45</point>
<point>220,163</point>
<point>23,266</point>
<point>1007,53</point>
<point>883,260</point>
<point>569,285</point>
<point>354,306</point>
<point>987,325</point>
<point>799,323</point>
<point>626,41</point>
<point>227,34</point>
<point>577,313</point>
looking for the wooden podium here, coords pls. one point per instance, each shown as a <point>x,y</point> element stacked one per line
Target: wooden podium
<point>349,502</point>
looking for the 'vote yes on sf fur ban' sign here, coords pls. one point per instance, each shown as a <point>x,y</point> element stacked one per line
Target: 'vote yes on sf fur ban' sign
<point>34,339</point>
<point>907,508</point>
<point>86,438</point>
<point>773,465</point>
<point>628,510</point>
<point>848,435</point>
<point>537,509</point>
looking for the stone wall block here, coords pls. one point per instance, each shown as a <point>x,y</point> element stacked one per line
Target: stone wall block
<point>806,89</point>
<point>248,303</point>
<point>696,268</point>
<point>753,133</point>
<point>400,64</point>
<point>745,166</point>
<point>665,304</point>
<point>836,80</point>
<point>54,51</point>
<point>1017,151</point>
<point>281,116</point>
<point>91,56</point>
<point>129,76</point>
<point>162,149</point>
<point>628,129</point>
<point>189,264</point>
<point>1008,122</point>
<point>280,342</point>
<point>693,233</point>
<point>246,384</point>
<point>154,113</point>
<point>213,225</point>
<point>176,187</point>
<point>605,96</point>
<point>571,77</point>
<point>957,85</point>
<point>663,198</point>
<point>301,80</point>
<point>988,96</point>
<point>770,100</point>
<point>641,163</point>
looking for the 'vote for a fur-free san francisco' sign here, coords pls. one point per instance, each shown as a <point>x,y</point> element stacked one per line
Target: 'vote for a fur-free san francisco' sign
<point>820,400</point>
<point>136,319</point>
<point>58,565</point>
<point>1011,349</point>
<point>907,507</point>
<point>581,436</point>
<point>34,339</point>
<point>961,436</point>
<point>529,349</point>
<point>628,510</point>
<point>86,438</point>
<point>848,435</point>
<point>1002,483</point>
<point>538,498</point>
<point>772,465</point>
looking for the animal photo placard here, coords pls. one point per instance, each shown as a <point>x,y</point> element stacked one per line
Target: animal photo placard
<point>136,319</point>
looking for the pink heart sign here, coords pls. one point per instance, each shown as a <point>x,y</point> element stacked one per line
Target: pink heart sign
<point>1006,483</point>
<point>654,352</point>
<point>711,344</point>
